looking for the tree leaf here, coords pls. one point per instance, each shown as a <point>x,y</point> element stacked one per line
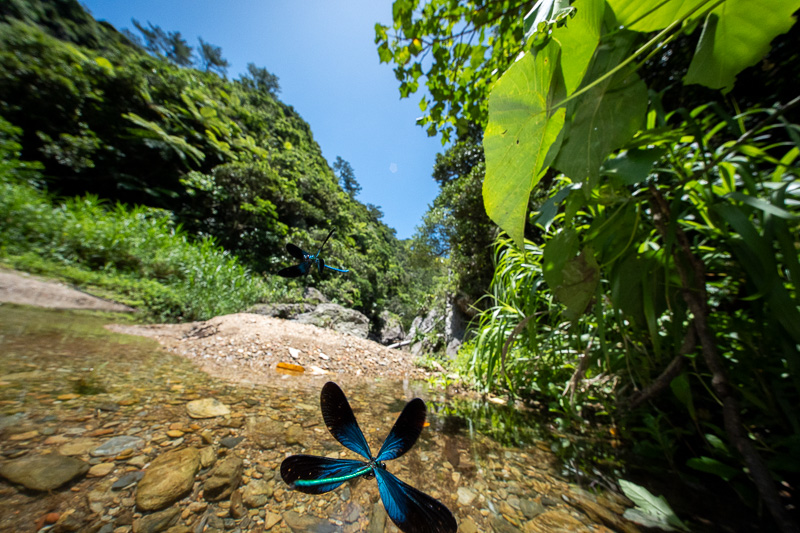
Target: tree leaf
<point>519,135</point>
<point>557,251</point>
<point>735,36</point>
<point>653,507</point>
<point>580,277</point>
<point>683,391</point>
<point>647,15</point>
<point>578,40</point>
<point>605,117</point>
<point>633,166</point>
<point>712,466</point>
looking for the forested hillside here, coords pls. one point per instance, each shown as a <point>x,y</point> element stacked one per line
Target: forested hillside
<point>225,158</point>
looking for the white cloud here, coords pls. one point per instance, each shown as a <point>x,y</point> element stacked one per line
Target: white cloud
<point>393,168</point>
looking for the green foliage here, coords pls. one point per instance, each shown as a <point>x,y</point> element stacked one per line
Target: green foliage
<point>650,510</point>
<point>137,256</point>
<point>470,44</point>
<point>456,225</point>
<point>664,223</point>
<point>347,177</point>
<point>225,158</point>
<point>211,58</point>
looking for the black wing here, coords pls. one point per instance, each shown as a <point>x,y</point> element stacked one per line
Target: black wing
<point>323,242</point>
<point>405,431</point>
<point>296,252</point>
<point>294,271</point>
<point>412,510</point>
<point>341,421</point>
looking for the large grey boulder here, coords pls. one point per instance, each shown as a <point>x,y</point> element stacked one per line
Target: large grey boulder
<point>391,329</point>
<point>425,326</point>
<point>284,311</point>
<point>338,318</point>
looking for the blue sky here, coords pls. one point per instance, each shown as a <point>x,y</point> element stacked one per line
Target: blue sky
<point>324,54</point>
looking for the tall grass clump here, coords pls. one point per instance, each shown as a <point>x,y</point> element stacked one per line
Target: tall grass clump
<point>138,255</point>
<point>543,350</point>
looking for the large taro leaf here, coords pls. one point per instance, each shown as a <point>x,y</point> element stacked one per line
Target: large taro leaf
<point>573,279</point>
<point>651,15</point>
<point>735,36</point>
<point>518,139</point>
<point>578,39</point>
<point>605,117</point>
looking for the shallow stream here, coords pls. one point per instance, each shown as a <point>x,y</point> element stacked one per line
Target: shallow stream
<point>67,385</point>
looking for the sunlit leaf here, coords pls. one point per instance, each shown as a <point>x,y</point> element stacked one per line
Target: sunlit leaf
<point>735,36</point>
<point>578,40</point>
<point>605,117</point>
<point>521,130</point>
<point>654,508</point>
<point>649,15</point>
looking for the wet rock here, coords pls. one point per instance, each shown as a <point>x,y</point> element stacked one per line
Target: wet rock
<point>77,447</point>
<point>555,521</point>
<point>598,513</point>
<point>466,496</point>
<point>351,512</point>
<point>43,472</point>
<point>468,526</point>
<point>337,318</point>
<point>377,519</point>
<point>101,470</point>
<point>257,493</point>
<point>117,445</point>
<point>69,521</point>
<point>294,435</point>
<point>501,525</point>
<point>160,521</point>
<point>169,477</point>
<point>224,479</point>
<point>270,520</point>
<point>207,408</point>
<point>530,508</point>
<point>263,431</point>
<point>237,507</point>
<point>207,457</point>
<point>127,480</point>
<point>230,442</point>
<point>305,522</point>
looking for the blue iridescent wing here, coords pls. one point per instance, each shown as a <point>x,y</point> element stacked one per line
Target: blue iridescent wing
<point>313,474</point>
<point>341,421</point>
<point>296,252</point>
<point>412,510</point>
<point>405,431</point>
<point>295,271</point>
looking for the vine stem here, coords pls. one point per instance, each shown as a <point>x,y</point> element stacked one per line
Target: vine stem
<point>692,274</point>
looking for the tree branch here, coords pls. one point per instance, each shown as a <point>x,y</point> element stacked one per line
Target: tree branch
<point>692,273</point>
<point>672,371</point>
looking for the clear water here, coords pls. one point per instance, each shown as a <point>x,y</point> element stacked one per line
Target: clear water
<point>491,465</point>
